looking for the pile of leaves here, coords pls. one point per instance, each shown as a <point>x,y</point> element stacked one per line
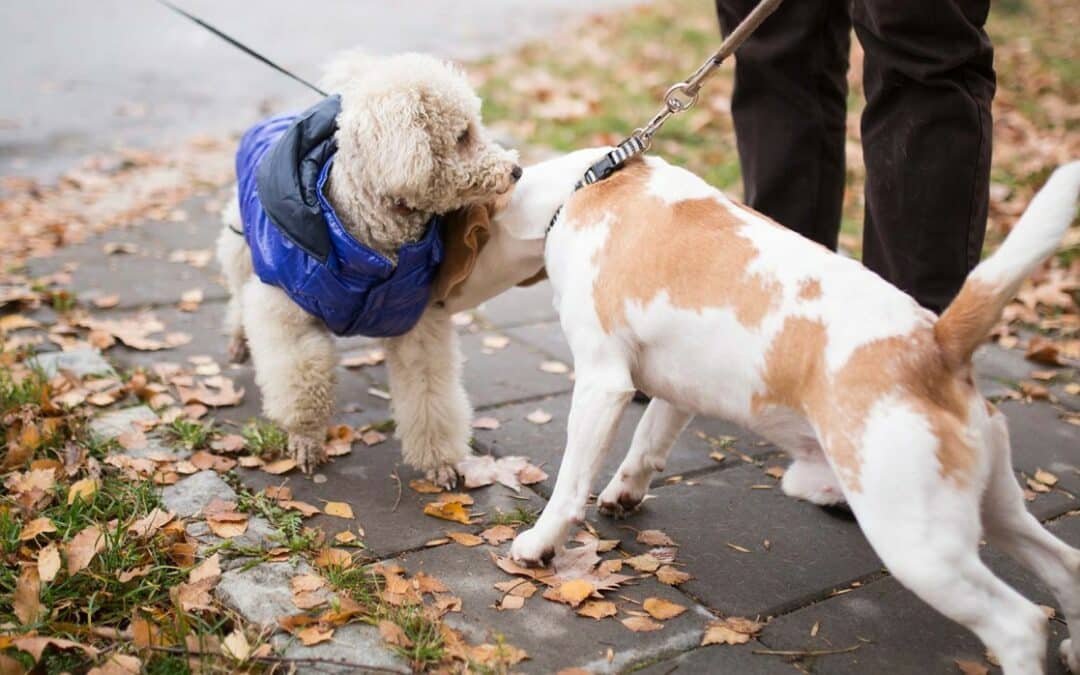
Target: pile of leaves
<point>97,572</point>
<point>108,191</point>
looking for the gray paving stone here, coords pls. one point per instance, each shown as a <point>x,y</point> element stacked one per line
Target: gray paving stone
<point>544,444</point>
<point>188,497</point>
<point>261,594</point>
<point>80,362</point>
<point>1041,440</point>
<point>259,534</point>
<point>116,422</point>
<point>998,370</point>
<point>355,649</point>
<point>720,659</point>
<point>547,337</point>
<point>145,277</point>
<point>551,633</point>
<point>812,550</point>
<point>389,511</point>
<point>531,304</point>
<point>899,633</point>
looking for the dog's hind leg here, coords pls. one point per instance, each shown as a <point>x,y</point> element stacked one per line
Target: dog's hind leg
<point>926,528</point>
<point>294,367</point>
<point>235,260</point>
<point>1012,529</point>
<point>654,437</point>
<point>429,402</point>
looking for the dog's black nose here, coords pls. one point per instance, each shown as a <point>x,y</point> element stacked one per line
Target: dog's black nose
<point>516,172</point>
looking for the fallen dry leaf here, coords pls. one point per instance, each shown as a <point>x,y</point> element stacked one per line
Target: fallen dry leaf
<point>453,511</point>
<point>48,562</point>
<point>646,562</point>
<point>574,592</point>
<point>465,538</point>
<point>496,341</point>
<point>539,416</point>
<point>236,645</point>
<point>207,569</point>
<point>190,300</point>
<point>371,357</point>
<point>280,466</point>
<point>333,557</point>
<point>313,635</point>
<point>641,624</point>
<point>338,510</point>
<point>478,471</point>
<point>36,644</point>
<point>486,423</point>
<point>671,576</point>
<point>511,602</point>
<point>118,664</point>
<point>27,601</point>
<point>598,609</point>
<point>733,630</point>
<point>555,367</point>
<point>394,634</point>
<point>151,522</point>
<point>661,609</point>
<point>971,667</point>
<point>497,534</point>
<point>82,548</point>
<point>35,527</point>
<point>655,538</point>
<point>196,597</point>
<point>1045,477</point>
<point>424,486</point>
<point>106,301</point>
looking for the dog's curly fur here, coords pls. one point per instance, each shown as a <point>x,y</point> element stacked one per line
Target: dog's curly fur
<point>410,145</point>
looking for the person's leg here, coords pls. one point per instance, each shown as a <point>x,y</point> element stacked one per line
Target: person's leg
<point>926,132</point>
<point>789,108</point>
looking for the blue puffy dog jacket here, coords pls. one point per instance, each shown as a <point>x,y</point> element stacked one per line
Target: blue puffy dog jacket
<point>299,245</point>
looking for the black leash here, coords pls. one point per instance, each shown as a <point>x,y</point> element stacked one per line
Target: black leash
<point>242,47</point>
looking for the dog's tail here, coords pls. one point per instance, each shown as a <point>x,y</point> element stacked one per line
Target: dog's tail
<point>990,286</point>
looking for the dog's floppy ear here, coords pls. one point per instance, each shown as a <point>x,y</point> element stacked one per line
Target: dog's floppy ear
<point>467,230</point>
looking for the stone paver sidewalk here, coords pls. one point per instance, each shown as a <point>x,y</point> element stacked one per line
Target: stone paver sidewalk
<point>751,550</point>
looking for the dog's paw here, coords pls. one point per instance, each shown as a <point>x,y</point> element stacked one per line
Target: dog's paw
<point>1070,657</point>
<point>444,476</point>
<point>620,498</point>
<point>307,452</point>
<point>238,349</point>
<point>532,549</point>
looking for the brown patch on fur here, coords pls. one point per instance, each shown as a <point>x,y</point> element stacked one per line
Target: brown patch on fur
<point>967,321</point>
<point>690,249</point>
<point>467,230</point>
<point>809,289</point>
<point>910,367</point>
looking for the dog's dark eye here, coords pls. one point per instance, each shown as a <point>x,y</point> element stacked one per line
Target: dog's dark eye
<point>463,137</point>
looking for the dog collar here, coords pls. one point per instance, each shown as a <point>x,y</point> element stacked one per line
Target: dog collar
<point>608,164</point>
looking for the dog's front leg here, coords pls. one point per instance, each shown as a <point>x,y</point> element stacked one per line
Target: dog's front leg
<point>598,403</point>
<point>294,367</point>
<point>428,397</point>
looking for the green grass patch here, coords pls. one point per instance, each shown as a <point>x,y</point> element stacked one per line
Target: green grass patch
<point>265,439</point>
<point>521,516</point>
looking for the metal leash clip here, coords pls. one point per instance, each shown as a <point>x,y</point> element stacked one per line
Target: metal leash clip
<point>679,98</point>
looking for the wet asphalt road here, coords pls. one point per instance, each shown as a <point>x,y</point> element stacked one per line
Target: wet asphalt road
<point>84,76</point>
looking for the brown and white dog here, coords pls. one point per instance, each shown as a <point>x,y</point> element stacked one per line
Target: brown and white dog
<point>664,284</point>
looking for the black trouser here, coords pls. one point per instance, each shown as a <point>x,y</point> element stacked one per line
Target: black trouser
<point>926,130</point>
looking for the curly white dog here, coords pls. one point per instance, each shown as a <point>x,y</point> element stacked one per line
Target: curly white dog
<point>409,146</point>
